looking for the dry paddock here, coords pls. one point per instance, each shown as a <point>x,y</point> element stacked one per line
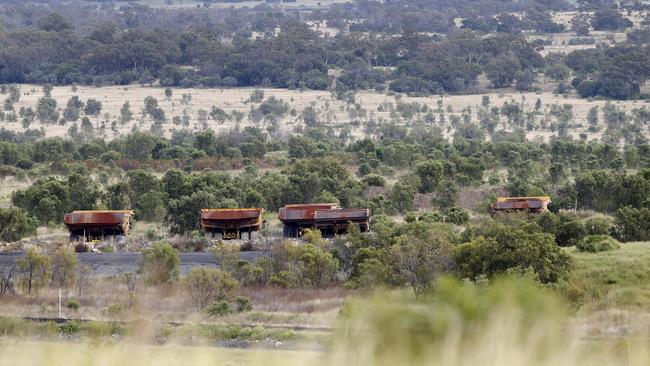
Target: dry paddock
<point>332,112</point>
<point>110,299</point>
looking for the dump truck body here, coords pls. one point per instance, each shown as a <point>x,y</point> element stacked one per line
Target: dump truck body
<point>98,224</point>
<point>231,222</point>
<point>520,204</point>
<point>329,218</point>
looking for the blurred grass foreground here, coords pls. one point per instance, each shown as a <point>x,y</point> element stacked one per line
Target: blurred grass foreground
<point>508,321</point>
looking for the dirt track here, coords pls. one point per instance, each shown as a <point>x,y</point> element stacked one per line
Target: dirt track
<point>107,264</point>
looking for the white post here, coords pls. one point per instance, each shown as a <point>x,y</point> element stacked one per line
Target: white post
<point>59,303</point>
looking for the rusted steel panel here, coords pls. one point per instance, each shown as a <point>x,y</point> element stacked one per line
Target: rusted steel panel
<point>520,205</point>
<point>231,213</point>
<point>330,219</point>
<point>303,211</point>
<point>231,222</point>
<point>343,214</point>
<point>530,204</point>
<point>97,218</point>
<point>97,224</point>
<point>313,206</point>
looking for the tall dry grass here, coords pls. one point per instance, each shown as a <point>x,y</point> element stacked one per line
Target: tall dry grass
<point>510,321</point>
<point>110,299</point>
<point>32,353</point>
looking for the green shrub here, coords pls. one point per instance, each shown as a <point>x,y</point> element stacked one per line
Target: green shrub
<point>243,304</point>
<point>498,248</point>
<point>374,180</point>
<point>431,216</point>
<point>206,285</point>
<point>64,267</point>
<point>599,225</point>
<point>570,233</point>
<point>15,224</point>
<point>72,304</point>
<point>219,308</point>
<point>548,221</point>
<point>456,215</point>
<point>285,279</point>
<point>632,224</point>
<point>421,253</point>
<point>410,217</point>
<point>317,266</point>
<point>35,271</point>
<point>159,263</point>
<point>597,243</point>
<point>372,272</point>
<point>71,328</point>
<point>237,332</point>
<point>97,329</point>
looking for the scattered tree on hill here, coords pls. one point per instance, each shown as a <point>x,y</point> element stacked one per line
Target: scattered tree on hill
<point>422,255</point>
<point>35,270</point>
<point>15,224</point>
<point>93,107</point>
<point>64,264</point>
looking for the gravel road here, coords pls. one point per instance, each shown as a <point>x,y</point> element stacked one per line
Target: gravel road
<point>107,264</point>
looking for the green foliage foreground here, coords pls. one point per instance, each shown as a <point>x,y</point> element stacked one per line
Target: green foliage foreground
<point>509,321</point>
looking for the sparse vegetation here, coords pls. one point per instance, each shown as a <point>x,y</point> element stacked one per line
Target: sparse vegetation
<point>159,263</point>
<point>597,243</point>
<point>209,286</point>
<point>422,112</point>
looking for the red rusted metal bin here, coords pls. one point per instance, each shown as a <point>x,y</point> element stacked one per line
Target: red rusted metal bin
<point>520,204</point>
<point>231,222</point>
<point>93,225</point>
<point>329,218</point>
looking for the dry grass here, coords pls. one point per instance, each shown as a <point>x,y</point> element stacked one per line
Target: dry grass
<point>296,300</point>
<point>319,4</point>
<point>109,299</point>
<point>7,186</point>
<point>332,112</point>
<point>19,353</point>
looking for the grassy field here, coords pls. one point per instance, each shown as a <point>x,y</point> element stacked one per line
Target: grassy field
<point>614,279</point>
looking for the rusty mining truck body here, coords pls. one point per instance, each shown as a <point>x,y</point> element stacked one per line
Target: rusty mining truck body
<point>520,204</point>
<point>329,218</point>
<point>230,223</point>
<point>94,225</point>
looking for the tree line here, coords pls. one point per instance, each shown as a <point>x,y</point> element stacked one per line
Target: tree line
<point>298,57</point>
<point>577,175</point>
